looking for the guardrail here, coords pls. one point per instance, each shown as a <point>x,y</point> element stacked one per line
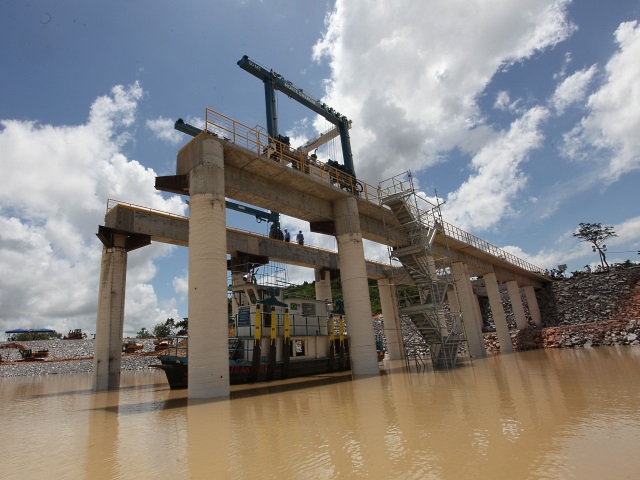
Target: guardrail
<point>262,144</point>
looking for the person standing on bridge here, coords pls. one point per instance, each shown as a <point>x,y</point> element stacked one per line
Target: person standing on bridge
<point>287,235</point>
<point>300,238</point>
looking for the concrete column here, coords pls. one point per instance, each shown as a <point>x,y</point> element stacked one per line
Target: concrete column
<point>323,285</point>
<point>355,288</point>
<point>208,333</point>
<point>472,324</point>
<point>499,318</point>
<point>452,300</point>
<point>532,302</point>
<point>107,359</point>
<point>478,311</point>
<point>391,316</point>
<point>516,304</point>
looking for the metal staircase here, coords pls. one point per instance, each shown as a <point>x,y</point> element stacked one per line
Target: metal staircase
<point>420,220</point>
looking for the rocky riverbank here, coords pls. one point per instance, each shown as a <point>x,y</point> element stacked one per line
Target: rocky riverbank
<point>584,311</point>
<point>69,356</point>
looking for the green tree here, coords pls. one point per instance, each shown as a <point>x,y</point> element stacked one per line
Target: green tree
<point>144,333</point>
<point>596,234</point>
<point>183,326</point>
<point>164,329</point>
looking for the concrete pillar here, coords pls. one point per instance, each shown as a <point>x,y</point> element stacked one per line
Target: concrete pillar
<point>323,285</point>
<point>478,311</point>
<point>472,324</point>
<point>452,300</point>
<point>391,316</point>
<point>107,356</point>
<point>516,304</point>
<point>532,302</point>
<point>355,288</point>
<point>499,318</point>
<point>208,333</point>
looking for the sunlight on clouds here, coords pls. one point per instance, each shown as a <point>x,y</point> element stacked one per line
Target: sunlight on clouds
<point>163,129</point>
<point>610,130</point>
<point>410,81</point>
<point>573,89</point>
<point>484,198</point>
<point>57,182</point>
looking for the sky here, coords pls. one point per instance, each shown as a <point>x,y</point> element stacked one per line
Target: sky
<point>522,116</point>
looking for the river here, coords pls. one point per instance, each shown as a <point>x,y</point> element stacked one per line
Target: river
<point>530,415</point>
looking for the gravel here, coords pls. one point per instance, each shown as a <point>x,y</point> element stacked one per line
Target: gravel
<point>69,356</point>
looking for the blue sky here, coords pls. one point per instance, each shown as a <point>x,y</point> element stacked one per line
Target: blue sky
<point>523,115</point>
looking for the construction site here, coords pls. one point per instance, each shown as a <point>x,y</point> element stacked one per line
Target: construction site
<point>228,165</point>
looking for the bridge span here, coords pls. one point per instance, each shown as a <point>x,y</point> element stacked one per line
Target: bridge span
<point>233,161</point>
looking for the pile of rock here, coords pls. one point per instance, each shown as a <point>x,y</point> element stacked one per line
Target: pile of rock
<point>587,310</point>
<point>608,333</point>
<point>590,298</point>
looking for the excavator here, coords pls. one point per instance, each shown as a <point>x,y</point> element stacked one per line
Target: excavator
<point>28,355</point>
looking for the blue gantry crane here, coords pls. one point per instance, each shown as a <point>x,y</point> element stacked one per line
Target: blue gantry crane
<point>274,81</point>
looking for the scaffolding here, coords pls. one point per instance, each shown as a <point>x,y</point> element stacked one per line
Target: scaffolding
<point>431,321</point>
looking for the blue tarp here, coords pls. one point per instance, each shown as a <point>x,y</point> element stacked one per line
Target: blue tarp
<point>37,330</point>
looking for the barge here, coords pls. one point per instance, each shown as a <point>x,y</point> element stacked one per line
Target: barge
<point>302,337</point>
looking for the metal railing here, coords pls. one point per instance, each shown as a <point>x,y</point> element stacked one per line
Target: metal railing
<point>299,325</point>
<point>264,145</point>
<point>261,144</point>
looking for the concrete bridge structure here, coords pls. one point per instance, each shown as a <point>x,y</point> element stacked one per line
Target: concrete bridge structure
<point>234,161</point>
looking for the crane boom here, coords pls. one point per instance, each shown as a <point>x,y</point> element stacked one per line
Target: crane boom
<point>320,139</point>
<point>274,81</point>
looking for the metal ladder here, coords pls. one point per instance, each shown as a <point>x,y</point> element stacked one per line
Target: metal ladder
<point>420,221</point>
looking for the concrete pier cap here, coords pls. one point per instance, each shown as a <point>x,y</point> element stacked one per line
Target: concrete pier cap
<point>203,149</point>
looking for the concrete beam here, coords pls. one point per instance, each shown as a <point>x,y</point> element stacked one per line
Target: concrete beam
<point>259,180</point>
<point>173,229</point>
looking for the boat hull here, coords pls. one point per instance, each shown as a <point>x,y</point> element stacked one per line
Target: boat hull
<point>177,370</point>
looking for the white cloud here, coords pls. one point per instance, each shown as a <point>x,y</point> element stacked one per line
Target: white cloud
<point>163,129</point>
<point>410,81</point>
<point>57,180</point>
<point>573,89</point>
<point>610,130</point>
<point>627,231</point>
<point>502,100</point>
<point>485,197</point>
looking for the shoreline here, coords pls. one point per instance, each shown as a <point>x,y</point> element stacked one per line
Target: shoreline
<point>75,356</point>
<point>68,357</point>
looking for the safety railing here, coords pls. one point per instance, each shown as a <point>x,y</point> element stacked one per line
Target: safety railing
<point>299,325</point>
<point>262,144</point>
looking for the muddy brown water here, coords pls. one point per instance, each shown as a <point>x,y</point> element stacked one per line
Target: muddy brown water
<point>530,415</point>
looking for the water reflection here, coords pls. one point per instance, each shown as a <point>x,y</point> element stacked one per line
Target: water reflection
<point>540,414</point>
